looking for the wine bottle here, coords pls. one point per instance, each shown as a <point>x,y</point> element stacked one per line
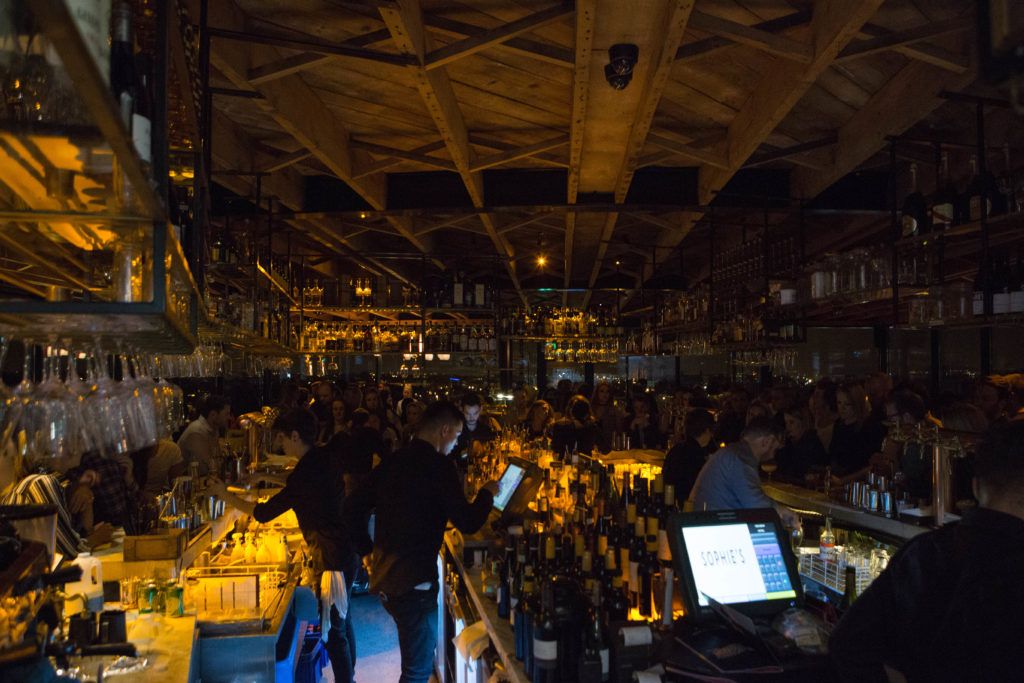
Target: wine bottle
<point>504,588</point>
<point>827,542</point>
<point>545,639</point>
<point>913,214</point>
<point>524,617</point>
<point>646,570</point>
<point>594,665</point>
<point>850,593</point>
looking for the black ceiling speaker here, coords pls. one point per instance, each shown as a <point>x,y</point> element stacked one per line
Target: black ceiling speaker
<point>622,58</point>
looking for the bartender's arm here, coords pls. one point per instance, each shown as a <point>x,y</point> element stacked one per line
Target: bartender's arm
<point>467,517</point>
<point>278,504</point>
<point>751,495</point>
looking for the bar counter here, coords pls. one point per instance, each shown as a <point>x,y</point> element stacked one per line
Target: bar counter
<point>806,500</point>
<point>498,630</point>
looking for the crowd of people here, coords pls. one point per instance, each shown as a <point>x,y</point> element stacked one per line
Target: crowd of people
<point>380,450</point>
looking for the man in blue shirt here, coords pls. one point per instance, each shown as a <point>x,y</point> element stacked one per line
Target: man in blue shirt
<point>730,481</point>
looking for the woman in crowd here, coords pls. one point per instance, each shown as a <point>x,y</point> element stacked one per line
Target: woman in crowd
<point>607,414</point>
<point>803,451</point>
<point>577,430</point>
<point>851,446</point>
<point>642,424</point>
<point>685,460</point>
<point>538,420</point>
<point>336,423</point>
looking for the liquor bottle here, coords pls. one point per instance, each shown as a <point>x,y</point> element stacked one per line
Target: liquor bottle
<point>628,499</point>
<point>850,594</point>
<point>664,550</point>
<point>827,542</point>
<point>1001,288</point>
<point>945,206</point>
<point>1017,286</point>
<point>122,61</point>
<point>545,639</point>
<point>913,214</point>
<point>480,294</point>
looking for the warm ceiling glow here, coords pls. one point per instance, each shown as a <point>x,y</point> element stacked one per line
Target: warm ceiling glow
<point>542,260</point>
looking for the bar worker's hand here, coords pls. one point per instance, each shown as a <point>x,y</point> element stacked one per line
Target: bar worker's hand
<point>491,486</point>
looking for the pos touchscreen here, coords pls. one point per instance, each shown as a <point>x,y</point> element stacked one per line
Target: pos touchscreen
<point>740,558</point>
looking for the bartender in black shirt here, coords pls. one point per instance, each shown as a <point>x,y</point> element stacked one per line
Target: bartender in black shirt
<point>950,605</point>
<point>477,427</point>
<point>415,493</point>
<point>316,491</point>
<point>684,461</point>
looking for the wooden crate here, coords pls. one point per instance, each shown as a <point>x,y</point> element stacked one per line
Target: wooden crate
<point>166,544</point>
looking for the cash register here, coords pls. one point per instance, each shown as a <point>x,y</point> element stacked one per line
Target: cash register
<point>737,575</point>
<point>517,486</point>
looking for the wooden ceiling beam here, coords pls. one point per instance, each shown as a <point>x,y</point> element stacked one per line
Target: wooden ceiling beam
<point>766,41</point>
<point>299,111</point>
<point>384,164</point>
<point>585,16</point>
<point>895,39</point>
<point>717,43</point>
<point>705,156</point>
<point>393,152</point>
<point>662,45</point>
<point>833,25</point>
<point>496,36</point>
<point>287,160</point>
<point>291,64</point>
<point>787,152</point>
<point>405,22</point>
<point>232,148</point>
<point>922,52</point>
<point>520,153</point>
<point>910,95</point>
<point>550,54</point>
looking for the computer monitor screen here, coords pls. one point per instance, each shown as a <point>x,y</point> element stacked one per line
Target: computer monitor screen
<point>507,485</point>
<point>738,558</point>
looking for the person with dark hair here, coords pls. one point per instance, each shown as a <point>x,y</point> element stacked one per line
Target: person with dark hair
<point>733,416</point>
<point>477,427</point>
<point>802,451</point>
<point>642,424</point>
<point>685,460</point>
<point>607,414</point>
<point>324,394</point>
<point>730,479</point>
<point>336,423</point>
<point>538,419</point>
<point>315,490</point>
<point>200,442</point>
<point>957,590</point>
<point>577,430</point>
<point>415,493</point>
<point>824,409</point>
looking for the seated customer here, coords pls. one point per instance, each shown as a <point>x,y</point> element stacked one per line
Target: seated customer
<point>948,607</point>
<point>684,462</point>
<point>103,482</point>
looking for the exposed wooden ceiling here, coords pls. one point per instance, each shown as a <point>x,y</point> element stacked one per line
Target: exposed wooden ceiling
<point>366,91</point>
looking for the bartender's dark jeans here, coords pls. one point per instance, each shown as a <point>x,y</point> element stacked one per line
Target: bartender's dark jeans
<point>415,615</point>
<point>340,648</point>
